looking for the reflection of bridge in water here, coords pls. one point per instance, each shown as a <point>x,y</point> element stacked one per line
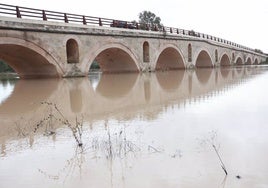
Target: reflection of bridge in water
<point>116,96</point>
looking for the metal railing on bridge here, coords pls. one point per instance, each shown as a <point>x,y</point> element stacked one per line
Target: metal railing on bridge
<point>46,15</point>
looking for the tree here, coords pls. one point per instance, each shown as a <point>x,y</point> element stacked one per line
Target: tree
<point>258,51</point>
<point>5,67</point>
<point>95,65</point>
<point>149,19</point>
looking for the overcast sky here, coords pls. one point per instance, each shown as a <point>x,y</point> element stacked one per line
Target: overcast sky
<point>240,21</point>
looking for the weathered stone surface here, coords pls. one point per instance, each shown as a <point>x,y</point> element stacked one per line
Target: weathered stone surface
<point>39,49</point>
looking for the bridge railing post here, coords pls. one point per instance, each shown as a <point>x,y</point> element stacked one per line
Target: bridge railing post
<point>65,18</point>
<point>18,12</point>
<point>100,22</point>
<point>44,15</point>
<point>84,20</point>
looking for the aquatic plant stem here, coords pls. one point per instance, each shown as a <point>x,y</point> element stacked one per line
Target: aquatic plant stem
<point>222,164</point>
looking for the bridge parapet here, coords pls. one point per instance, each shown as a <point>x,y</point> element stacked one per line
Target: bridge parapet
<point>61,27</point>
<point>41,46</point>
<point>47,15</point>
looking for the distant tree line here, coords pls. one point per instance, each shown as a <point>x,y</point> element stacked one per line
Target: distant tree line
<point>5,67</point>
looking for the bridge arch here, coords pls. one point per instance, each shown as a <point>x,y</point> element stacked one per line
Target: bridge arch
<point>225,60</point>
<point>30,60</point>
<point>256,61</point>
<point>248,61</point>
<point>112,57</point>
<point>203,59</point>
<point>239,60</point>
<point>169,58</point>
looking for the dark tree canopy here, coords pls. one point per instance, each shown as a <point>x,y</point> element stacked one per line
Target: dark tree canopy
<point>5,67</point>
<point>149,18</point>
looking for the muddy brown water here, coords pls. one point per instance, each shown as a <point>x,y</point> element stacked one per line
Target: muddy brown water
<point>150,130</point>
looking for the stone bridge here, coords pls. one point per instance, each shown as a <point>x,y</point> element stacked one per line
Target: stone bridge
<point>41,48</point>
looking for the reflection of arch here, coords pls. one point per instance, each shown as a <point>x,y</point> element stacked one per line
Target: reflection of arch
<point>72,51</point>
<point>189,53</point>
<point>28,59</point>
<point>170,58</point>
<point>239,70</point>
<point>225,72</point>
<point>225,61</point>
<point>27,95</point>
<point>113,57</point>
<point>146,54</point>
<point>239,61</point>
<point>203,60</point>
<point>116,85</point>
<point>203,75</point>
<point>248,70</point>
<point>170,80</point>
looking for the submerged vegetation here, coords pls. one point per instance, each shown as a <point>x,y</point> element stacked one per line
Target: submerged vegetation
<point>212,141</point>
<point>56,114</point>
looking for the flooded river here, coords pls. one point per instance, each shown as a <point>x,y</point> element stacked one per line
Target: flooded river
<point>153,130</point>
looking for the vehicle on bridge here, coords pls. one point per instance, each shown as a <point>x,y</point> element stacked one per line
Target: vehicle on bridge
<point>123,24</point>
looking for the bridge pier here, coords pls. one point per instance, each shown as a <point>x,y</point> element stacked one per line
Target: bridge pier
<point>74,71</point>
<point>190,66</point>
<point>217,64</point>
